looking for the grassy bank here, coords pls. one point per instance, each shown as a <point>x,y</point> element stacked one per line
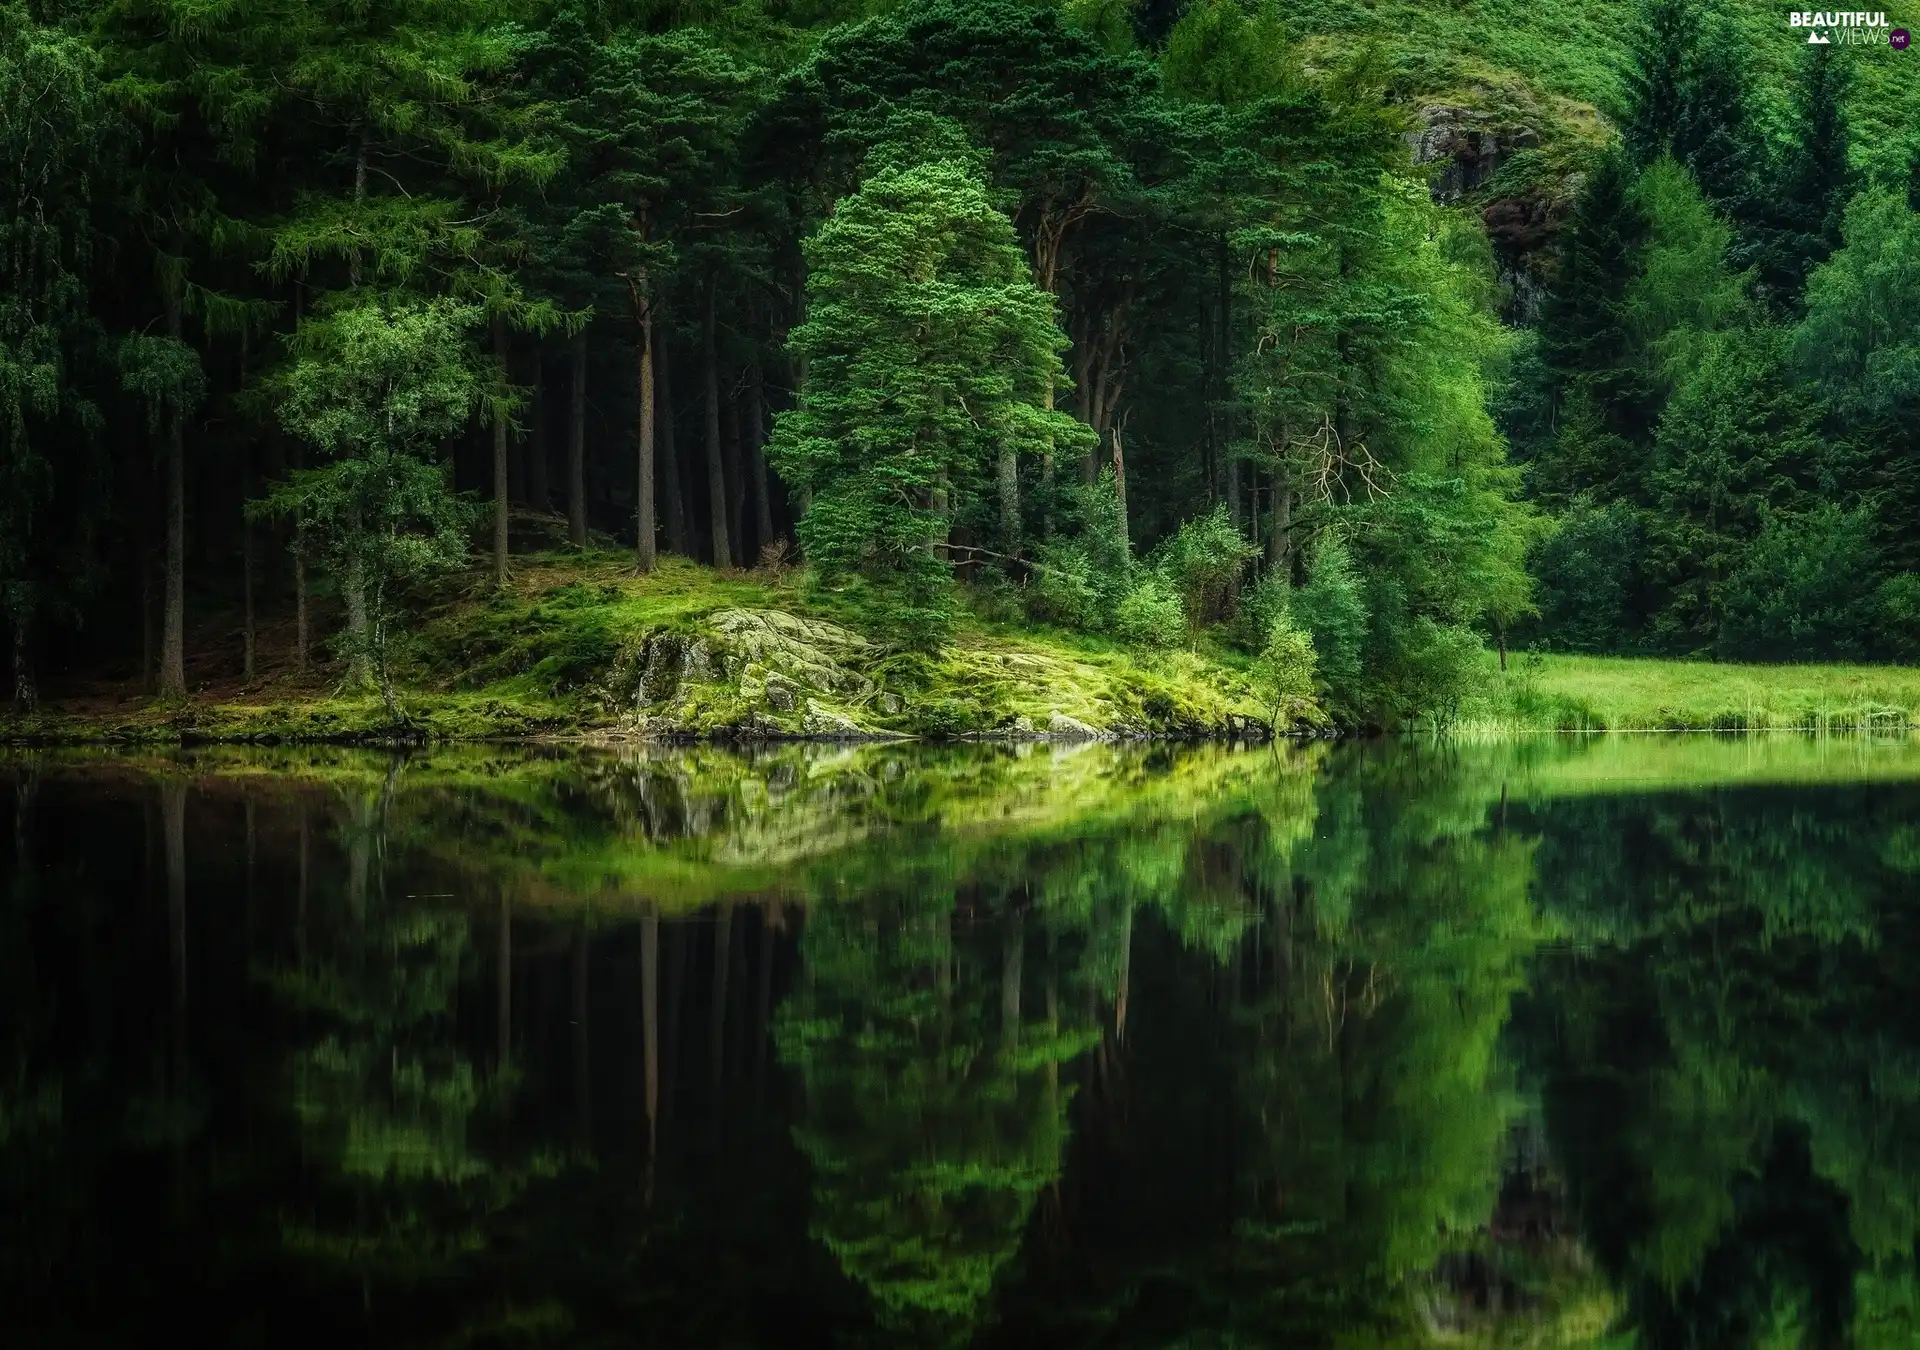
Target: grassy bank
<point>578,646</point>
<point>1603,693</point>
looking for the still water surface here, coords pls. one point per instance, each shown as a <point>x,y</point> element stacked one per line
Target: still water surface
<point>1608,1042</point>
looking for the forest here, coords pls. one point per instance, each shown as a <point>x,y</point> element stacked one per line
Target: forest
<point>1361,346</point>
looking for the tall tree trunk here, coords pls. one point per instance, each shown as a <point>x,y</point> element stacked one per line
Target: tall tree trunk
<point>249,635</point>
<point>359,635</point>
<point>500,484</point>
<point>173,645</point>
<point>26,692</point>
<point>577,445</point>
<point>539,494</point>
<point>1234,512</point>
<point>1007,483</point>
<point>1223,374</point>
<point>716,473</point>
<point>668,454</point>
<point>645,544</point>
<point>141,498</point>
<point>757,454</point>
<point>803,499</point>
<point>1280,536</point>
<point>1120,482</point>
<point>1046,475</point>
<point>302,634</point>
<point>730,438</point>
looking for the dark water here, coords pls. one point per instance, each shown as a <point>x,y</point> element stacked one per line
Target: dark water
<point>1598,1043</point>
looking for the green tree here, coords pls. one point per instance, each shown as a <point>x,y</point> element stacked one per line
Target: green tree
<point>376,387</point>
<point>648,124</point>
<point>1599,395</point>
<point>1808,207</point>
<point>1662,54</point>
<point>928,351</point>
<point>54,127</point>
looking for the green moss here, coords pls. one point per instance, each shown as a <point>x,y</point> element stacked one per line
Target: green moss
<point>579,645</point>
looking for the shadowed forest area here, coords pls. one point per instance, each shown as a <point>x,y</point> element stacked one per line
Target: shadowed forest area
<point>1352,345</point>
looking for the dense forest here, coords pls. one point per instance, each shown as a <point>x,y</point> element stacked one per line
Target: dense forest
<point>1364,341</point>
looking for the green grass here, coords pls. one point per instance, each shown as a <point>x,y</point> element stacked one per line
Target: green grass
<point>1606,693</point>
<point>1576,49</point>
<point>555,655</point>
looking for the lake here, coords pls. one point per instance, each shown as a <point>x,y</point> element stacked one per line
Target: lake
<point>1556,1042</point>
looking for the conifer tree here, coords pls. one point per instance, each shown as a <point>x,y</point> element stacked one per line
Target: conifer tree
<point>1587,348</point>
<point>1811,200</point>
<point>929,350</point>
<point>53,125</point>
<point>1660,69</point>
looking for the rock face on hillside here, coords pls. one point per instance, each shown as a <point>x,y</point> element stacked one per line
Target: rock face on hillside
<point>1466,146</point>
<point>763,674</point>
<point>1508,154</point>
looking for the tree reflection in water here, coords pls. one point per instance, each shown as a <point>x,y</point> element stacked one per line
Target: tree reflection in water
<point>1551,1044</point>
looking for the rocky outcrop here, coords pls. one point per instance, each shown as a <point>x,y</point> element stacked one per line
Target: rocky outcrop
<point>749,672</point>
<point>1467,147</point>
<point>1502,148</point>
<point>765,674</point>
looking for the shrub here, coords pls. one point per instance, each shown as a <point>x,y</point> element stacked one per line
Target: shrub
<point>1444,667</point>
<point>1062,590</point>
<point>1283,673</point>
<point>1103,540</point>
<point>1265,603</point>
<point>1587,574</point>
<point>1204,563</point>
<point>1899,604</point>
<point>1333,611</point>
<point>1151,614</point>
<point>1801,590</point>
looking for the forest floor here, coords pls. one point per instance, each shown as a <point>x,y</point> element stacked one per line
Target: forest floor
<point>579,646</point>
<point>1621,693</point>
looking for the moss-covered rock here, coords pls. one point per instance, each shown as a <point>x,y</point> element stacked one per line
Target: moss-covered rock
<point>579,646</point>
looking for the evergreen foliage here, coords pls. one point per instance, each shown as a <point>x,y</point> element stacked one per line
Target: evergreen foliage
<point>1036,295</point>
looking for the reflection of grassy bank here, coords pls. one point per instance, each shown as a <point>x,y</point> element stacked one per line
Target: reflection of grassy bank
<point>1608,693</point>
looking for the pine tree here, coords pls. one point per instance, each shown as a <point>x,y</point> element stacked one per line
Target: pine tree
<point>1687,86</point>
<point>1808,210</point>
<point>1662,56</point>
<point>53,124</point>
<point>929,350</point>
<point>1598,391</point>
